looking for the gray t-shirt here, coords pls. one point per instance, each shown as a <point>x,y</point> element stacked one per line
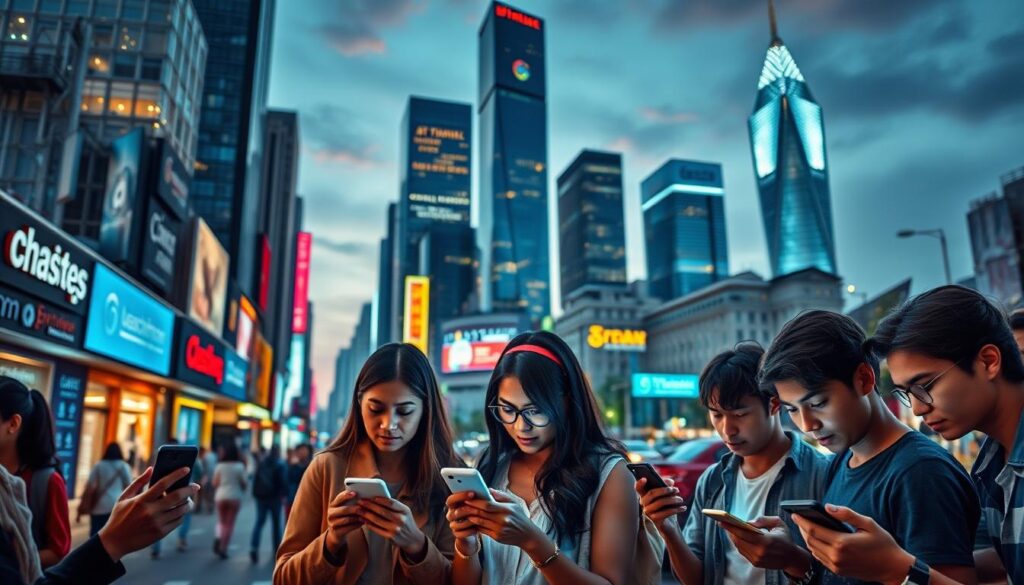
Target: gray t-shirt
<point>109,478</point>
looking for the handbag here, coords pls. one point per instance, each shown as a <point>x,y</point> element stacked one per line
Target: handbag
<point>91,495</point>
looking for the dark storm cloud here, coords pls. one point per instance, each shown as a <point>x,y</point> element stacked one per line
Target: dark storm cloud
<point>345,248</point>
<point>353,27</point>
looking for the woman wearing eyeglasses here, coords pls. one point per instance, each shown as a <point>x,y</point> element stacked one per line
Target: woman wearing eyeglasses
<point>565,510</point>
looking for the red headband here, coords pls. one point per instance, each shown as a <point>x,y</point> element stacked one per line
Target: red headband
<point>537,350</point>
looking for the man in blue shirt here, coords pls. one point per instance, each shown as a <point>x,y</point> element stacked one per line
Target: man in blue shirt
<point>953,358</point>
<point>890,483</point>
<point>765,465</point>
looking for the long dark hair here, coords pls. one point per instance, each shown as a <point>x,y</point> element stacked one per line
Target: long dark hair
<point>571,473</point>
<point>113,453</point>
<point>431,447</point>
<point>35,444</point>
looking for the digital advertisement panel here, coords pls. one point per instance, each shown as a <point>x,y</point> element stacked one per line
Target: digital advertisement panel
<point>209,287</point>
<point>201,357</point>
<point>128,325</point>
<point>520,50</point>
<point>666,385</point>
<point>474,349</point>
<point>120,205</point>
<point>417,311</point>
<point>159,246</point>
<point>303,248</point>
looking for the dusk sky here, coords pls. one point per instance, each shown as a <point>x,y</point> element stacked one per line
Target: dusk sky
<point>923,103</point>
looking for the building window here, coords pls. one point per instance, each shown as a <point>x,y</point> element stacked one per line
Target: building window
<point>121,98</point>
<point>156,42</point>
<point>150,69</point>
<point>50,6</point>
<point>99,65</point>
<point>146,103</point>
<point>124,65</point>
<point>103,35</point>
<point>106,8</point>
<point>19,28</point>
<point>133,10</point>
<point>93,96</point>
<point>128,38</point>
<point>77,8</point>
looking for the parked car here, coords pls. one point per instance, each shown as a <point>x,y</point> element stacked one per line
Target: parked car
<point>639,451</point>
<point>688,462</point>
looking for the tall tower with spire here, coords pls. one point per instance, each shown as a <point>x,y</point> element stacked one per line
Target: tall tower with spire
<point>787,141</point>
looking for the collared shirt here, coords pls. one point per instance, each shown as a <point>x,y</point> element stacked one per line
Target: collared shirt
<point>1001,488</point>
<point>803,476</point>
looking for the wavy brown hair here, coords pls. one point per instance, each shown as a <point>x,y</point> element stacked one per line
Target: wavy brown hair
<point>431,447</point>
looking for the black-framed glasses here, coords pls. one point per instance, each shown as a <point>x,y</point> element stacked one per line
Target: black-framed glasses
<point>509,415</point>
<point>920,391</point>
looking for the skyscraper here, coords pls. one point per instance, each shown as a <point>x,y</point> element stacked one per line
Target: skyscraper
<point>787,139</point>
<point>684,228</point>
<point>225,189</point>
<point>384,311</point>
<point>435,182</point>
<point>513,230</point>
<point>591,222</point>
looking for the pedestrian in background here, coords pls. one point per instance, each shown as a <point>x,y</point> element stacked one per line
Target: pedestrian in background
<point>107,480</point>
<point>302,455</point>
<point>206,494</point>
<point>230,483</point>
<point>269,488</point>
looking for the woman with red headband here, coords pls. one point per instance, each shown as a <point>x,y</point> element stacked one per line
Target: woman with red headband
<point>564,500</point>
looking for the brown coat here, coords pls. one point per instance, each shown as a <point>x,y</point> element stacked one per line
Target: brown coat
<point>300,560</point>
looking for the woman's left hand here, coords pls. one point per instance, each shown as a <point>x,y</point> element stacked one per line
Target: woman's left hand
<point>393,520</point>
<point>504,520</point>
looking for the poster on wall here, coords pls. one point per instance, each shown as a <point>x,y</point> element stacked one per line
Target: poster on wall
<point>66,402</point>
<point>209,285</point>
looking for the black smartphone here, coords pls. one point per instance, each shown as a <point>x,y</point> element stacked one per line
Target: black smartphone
<point>815,512</point>
<point>172,457</point>
<point>646,470</point>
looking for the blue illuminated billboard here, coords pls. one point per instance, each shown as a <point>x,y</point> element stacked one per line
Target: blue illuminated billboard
<point>665,385</point>
<point>127,324</point>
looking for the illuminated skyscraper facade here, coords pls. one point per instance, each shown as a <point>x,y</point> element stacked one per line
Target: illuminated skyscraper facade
<point>787,140</point>
<point>513,231</point>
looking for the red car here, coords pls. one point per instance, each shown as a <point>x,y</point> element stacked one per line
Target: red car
<point>688,462</point>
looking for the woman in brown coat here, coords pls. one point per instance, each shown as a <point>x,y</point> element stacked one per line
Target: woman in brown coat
<point>397,430</point>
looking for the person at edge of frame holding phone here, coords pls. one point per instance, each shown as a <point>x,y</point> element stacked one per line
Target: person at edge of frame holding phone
<point>565,511</point>
<point>398,432</point>
<point>765,465</point>
<point>894,486</point>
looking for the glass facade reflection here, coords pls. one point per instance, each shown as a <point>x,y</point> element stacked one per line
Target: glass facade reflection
<point>513,229</point>
<point>684,228</point>
<point>591,222</point>
<point>787,140</point>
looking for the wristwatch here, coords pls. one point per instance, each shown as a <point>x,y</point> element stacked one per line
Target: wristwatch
<point>919,574</point>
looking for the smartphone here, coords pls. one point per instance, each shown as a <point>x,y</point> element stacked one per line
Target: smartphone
<point>647,471</point>
<point>815,512</point>
<point>464,479</point>
<point>372,487</point>
<point>724,517</point>
<point>170,458</point>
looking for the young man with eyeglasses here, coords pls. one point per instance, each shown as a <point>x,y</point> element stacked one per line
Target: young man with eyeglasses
<point>765,466</point>
<point>954,359</point>
<point>888,482</point>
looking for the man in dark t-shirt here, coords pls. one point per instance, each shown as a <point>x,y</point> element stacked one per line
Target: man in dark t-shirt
<point>889,482</point>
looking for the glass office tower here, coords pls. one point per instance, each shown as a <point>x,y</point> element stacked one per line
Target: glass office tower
<point>684,228</point>
<point>591,222</point>
<point>787,139</point>
<point>513,230</point>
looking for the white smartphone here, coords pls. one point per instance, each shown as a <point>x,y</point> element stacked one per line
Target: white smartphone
<point>464,479</point>
<point>367,487</point>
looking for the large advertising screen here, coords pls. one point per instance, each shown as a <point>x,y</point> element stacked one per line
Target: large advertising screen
<point>475,348</point>
<point>120,205</point>
<point>665,385</point>
<point>519,57</point>
<point>159,246</point>
<point>439,161</point>
<point>209,286</point>
<point>128,325</point>
<point>201,357</point>
<point>300,308</point>
<point>417,311</point>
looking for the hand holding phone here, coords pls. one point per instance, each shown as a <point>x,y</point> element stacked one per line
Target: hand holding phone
<point>723,517</point>
<point>815,512</point>
<point>170,458</point>
<point>368,487</point>
<point>464,479</point>
<point>647,471</point>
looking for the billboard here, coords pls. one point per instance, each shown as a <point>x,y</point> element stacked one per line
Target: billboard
<point>519,54</point>
<point>42,261</point>
<point>172,181</point>
<point>120,204</point>
<point>303,248</point>
<point>39,319</point>
<point>438,183</point>
<point>201,357</point>
<point>236,370</point>
<point>208,288</point>
<point>475,348</point>
<point>127,324</point>
<point>159,246</point>
<point>665,385</point>
<point>264,272</point>
<point>417,311</point>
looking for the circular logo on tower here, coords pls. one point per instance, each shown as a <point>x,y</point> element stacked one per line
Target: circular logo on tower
<point>28,315</point>
<point>111,318</point>
<point>521,69</point>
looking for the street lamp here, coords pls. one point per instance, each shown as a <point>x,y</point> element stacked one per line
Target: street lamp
<point>935,233</point>
<point>852,290</point>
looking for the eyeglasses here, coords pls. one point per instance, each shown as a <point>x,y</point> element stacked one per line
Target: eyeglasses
<point>920,391</point>
<point>509,415</point>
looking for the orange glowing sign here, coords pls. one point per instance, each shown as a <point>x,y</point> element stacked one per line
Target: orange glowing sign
<point>417,311</point>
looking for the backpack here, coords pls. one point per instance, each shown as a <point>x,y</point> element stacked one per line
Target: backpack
<point>265,483</point>
<point>37,503</point>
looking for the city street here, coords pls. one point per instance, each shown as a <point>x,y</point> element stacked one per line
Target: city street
<point>198,565</point>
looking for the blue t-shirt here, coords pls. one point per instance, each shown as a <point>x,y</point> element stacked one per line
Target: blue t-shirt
<point>917,492</point>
